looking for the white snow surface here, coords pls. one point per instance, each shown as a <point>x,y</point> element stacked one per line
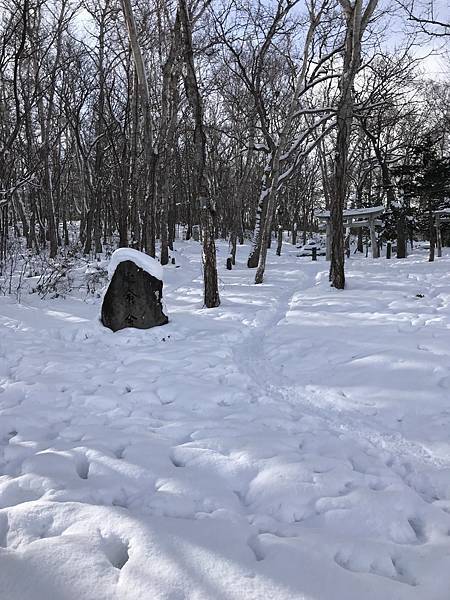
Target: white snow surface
<point>142,260</point>
<point>292,444</point>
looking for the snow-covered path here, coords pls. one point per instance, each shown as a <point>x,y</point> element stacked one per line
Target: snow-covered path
<point>292,444</point>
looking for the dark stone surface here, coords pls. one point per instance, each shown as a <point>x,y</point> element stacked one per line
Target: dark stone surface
<point>133,299</point>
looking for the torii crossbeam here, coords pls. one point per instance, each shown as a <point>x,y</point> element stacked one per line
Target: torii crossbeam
<point>356,217</point>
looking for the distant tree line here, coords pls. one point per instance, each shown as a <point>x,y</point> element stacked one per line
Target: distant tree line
<point>232,118</point>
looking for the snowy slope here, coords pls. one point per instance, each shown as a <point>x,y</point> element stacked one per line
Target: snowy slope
<point>292,444</point>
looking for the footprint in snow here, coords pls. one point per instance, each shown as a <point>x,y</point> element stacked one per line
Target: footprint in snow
<point>255,546</point>
<point>177,462</point>
<point>385,566</point>
<point>82,467</point>
<point>418,527</point>
<point>4,528</point>
<point>115,550</point>
<point>119,452</point>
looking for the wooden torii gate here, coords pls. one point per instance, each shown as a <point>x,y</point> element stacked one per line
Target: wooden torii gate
<point>355,218</point>
<point>440,216</point>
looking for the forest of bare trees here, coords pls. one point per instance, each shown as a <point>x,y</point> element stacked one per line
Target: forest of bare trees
<point>129,122</point>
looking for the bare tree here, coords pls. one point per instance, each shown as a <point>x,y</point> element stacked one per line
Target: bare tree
<point>357,18</point>
<point>280,154</point>
<point>208,210</point>
<point>150,151</point>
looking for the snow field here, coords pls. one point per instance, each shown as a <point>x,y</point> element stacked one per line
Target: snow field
<point>292,444</point>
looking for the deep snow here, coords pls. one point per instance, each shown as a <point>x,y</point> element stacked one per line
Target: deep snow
<point>145,262</point>
<point>293,443</point>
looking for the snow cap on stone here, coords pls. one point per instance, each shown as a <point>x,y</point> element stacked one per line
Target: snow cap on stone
<point>140,259</point>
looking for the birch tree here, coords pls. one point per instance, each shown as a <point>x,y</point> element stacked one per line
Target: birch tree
<point>290,156</point>
<point>150,150</point>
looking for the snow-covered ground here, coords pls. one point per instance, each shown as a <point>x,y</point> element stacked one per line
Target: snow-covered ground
<point>292,444</point>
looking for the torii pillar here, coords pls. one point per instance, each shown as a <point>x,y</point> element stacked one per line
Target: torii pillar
<point>438,235</point>
<point>373,238</point>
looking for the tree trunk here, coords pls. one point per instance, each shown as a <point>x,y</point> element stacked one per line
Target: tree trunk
<point>356,22</point>
<point>150,154</point>
<point>274,174</point>
<point>432,229</point>
<point>261,210</point>
<point>169,107</point>
<point>207,207</point>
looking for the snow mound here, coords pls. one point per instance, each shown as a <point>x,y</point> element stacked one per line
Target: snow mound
<point>145,262</point>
